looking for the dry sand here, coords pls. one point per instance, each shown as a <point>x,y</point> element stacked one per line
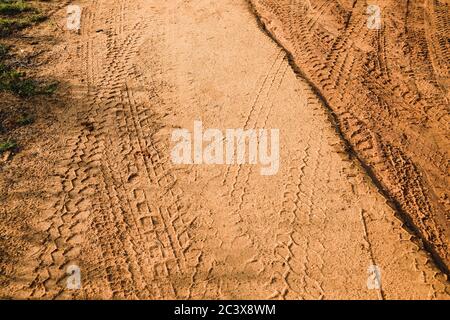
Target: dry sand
<point>388,90</point>
<point>139,226</point>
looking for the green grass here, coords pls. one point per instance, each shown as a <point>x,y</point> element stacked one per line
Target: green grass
<point>17,15</point>
<point>15,7</point>
<point>10,25</point>
<point>14,81</point>
<point>8,145</point>
<point>18,83</point>
<point>25,120</point>
<point>3,51</point>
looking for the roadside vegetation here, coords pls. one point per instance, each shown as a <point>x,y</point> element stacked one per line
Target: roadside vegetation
<point>17,81</point>
<point>16,16</point>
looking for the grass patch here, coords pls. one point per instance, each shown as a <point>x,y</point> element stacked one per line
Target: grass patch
<point>18,83</point>
<point>14,81</point>
<point>15,7</point>
<point>3,51</point>
<point>25,120</point>
<point>7,146</point>
<point>10,25</point>
<point>17,15</point>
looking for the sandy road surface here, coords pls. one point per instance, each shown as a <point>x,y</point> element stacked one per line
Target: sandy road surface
<point>389,91</point>
<point>139,226</point>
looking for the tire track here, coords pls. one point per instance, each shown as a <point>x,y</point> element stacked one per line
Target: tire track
<point>416,188</point>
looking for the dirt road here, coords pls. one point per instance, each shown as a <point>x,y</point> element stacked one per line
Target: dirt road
<point>139,226</point>
<point>388,88</point>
